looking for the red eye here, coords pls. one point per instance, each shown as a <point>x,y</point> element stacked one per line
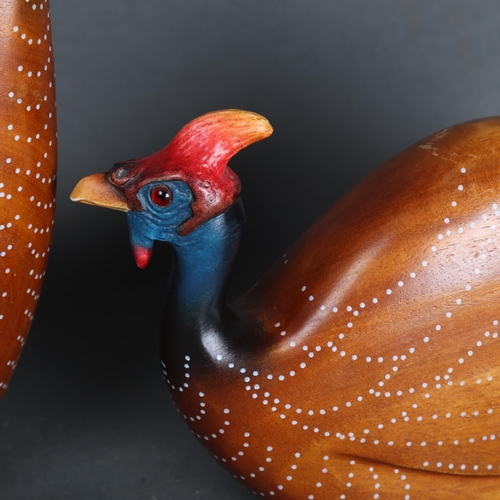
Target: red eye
<point>162,196</point>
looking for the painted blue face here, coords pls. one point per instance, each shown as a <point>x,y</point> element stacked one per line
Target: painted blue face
<point>164,212</point>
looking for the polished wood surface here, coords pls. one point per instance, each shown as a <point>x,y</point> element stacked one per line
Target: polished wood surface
<point>27,169</point>
<point>387,313</point>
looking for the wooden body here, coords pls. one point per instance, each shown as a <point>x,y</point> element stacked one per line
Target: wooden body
<point>380,373</point>
<point>27,169</point>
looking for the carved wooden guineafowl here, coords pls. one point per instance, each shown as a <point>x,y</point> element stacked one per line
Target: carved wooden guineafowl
<point>366,362</point>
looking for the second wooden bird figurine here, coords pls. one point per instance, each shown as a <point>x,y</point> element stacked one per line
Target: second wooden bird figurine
<point>366,362</point>
<point>28,158</point>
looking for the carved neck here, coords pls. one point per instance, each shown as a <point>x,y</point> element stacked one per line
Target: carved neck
<point>203,263</point>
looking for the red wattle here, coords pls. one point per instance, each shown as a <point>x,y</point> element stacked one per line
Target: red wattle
<point>142,255</point>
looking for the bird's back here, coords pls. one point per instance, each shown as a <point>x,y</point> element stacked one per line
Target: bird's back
<point>385,314</point>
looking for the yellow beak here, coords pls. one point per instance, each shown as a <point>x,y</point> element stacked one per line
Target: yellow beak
<point>96,190</point>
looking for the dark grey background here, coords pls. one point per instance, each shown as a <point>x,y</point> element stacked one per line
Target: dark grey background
<point>346,85</point>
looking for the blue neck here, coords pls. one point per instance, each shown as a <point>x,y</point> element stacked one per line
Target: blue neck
<point>197,321</point>
<point>203,263</point>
